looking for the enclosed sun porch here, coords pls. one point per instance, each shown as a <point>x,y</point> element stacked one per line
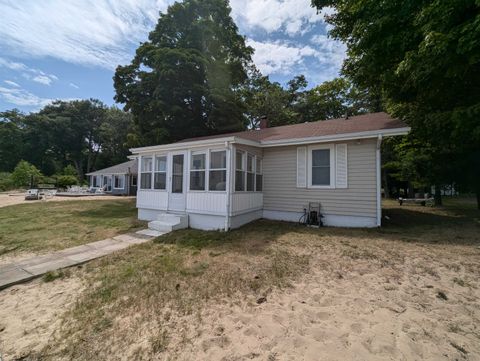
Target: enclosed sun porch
<point>216,184</point>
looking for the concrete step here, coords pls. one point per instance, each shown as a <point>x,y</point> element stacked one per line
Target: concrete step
<point>167,222</point>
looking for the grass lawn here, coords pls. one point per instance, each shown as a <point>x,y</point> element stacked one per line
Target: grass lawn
<point>276,291</point>
<point>47,226</point>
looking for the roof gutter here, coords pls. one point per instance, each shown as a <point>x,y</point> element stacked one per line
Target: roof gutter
<point>337,137</point>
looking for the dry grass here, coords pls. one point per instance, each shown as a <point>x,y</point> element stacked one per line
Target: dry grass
<point>47,226</point>
<point>150,289</point>
<point>161,300</point>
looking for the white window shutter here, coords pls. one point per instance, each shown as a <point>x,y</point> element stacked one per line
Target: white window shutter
<point>341,174</point>
<point>301,167</point>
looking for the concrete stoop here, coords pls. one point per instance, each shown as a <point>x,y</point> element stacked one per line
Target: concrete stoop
<point>167,222</point>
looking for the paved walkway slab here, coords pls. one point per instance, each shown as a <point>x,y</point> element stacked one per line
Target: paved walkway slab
<point>26,269</point>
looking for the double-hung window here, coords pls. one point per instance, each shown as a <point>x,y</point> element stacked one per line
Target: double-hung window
<point>118,181</point>
<point>250,173</point>
<point>146,173</point>
<point>217,179</point>
<point>239,171</point>
<point>160,174</point>
<point>258,175</point>
<point>197,172</point>
<point>133,180</point>
<point>320,167</point>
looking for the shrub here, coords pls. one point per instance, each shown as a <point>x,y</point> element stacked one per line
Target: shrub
<point>24,174</point>
<point>5,181</point>
<point>70,170</point>
<point>64,181</point>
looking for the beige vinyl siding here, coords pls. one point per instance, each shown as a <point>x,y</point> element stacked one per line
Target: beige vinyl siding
<point>281,193</point>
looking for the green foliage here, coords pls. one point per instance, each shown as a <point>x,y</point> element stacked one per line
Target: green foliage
<point>6,182</point>
<point>11,142</point>
<point>70,170</point>
<point>335,99</point>
<point>423,57</point>
<point>184,81</point>
<point>64,181</point>
<point>25,174</point>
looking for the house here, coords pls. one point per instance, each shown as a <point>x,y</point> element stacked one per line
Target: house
<point>225,181</point>
<point>119,179</point>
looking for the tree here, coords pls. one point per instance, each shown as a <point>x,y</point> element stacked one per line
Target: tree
<point>265,98</point>
<point>25,174</point>
<point>116,133</point>
<point>11,142</point>
<point>335,99</point>
<point>185,80</point>
<point>75,130</point>
<point>423,57</point>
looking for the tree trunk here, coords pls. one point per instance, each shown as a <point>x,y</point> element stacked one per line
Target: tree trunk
<point>478,198</point>
<point>79,168</point>
<point>386,190</point>
<point>438,195</point>
<point>411,190</point>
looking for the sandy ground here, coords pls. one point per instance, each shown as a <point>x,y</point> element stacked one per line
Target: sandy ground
<point>31,312</point>
<point>380,302</point>
<point>359,310</point>
<point>19,198</point>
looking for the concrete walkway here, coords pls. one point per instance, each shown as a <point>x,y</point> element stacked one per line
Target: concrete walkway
<point>25,270</point>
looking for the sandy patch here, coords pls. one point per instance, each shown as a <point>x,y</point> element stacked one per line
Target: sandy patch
<point>357,309</point>
<point>19,198</point>
<point>361,299</point>
<point>30,313</point>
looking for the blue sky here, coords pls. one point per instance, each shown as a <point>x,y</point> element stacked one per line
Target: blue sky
<point>57,49</point>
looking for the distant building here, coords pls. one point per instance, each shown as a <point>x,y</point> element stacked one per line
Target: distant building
<point>119,179</point>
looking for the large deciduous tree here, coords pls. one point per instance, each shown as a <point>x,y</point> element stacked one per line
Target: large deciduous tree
<point>424,58</point>
<point>75,129</point>
<point>185,80</point>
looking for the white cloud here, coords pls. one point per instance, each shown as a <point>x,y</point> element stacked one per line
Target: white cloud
<point>329,50</point>
<point>288,59</point>
<point>275,57</point>
<point>292,16</point>
<point>91,32</point>
<point>11,83</point>
<point>22,97</point>
<point>28,73</point>
<point>44,79</point>
<point>73,85</point>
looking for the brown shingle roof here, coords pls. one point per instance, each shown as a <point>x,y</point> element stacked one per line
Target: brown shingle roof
<point>355,124</point>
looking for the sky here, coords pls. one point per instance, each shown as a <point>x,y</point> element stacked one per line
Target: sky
<point>69,49</point>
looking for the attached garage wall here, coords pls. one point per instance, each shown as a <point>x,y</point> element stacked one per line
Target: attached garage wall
<point>280,192</point>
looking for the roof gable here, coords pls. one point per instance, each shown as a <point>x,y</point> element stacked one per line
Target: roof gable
<point>122,168</point>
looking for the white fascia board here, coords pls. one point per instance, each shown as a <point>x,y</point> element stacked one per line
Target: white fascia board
<point>244,141</point>
<point>182,145</point>
<point>337,137</point>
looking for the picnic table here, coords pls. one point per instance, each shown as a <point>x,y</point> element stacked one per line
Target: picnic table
<point>425,202</point>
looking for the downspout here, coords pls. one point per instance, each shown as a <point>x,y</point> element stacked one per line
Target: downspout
<point>379,180</point>
<point>228,187</point>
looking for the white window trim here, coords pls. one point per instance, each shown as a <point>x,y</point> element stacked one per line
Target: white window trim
<point>252,172</point>
<point>154,163</point>
<point>119,177</point>
<point>257,158</point>
<point>331,147</point>
<point>207,181</point>
<point>152,158</point>
<point>205,169</point>
<point>244,170</point>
